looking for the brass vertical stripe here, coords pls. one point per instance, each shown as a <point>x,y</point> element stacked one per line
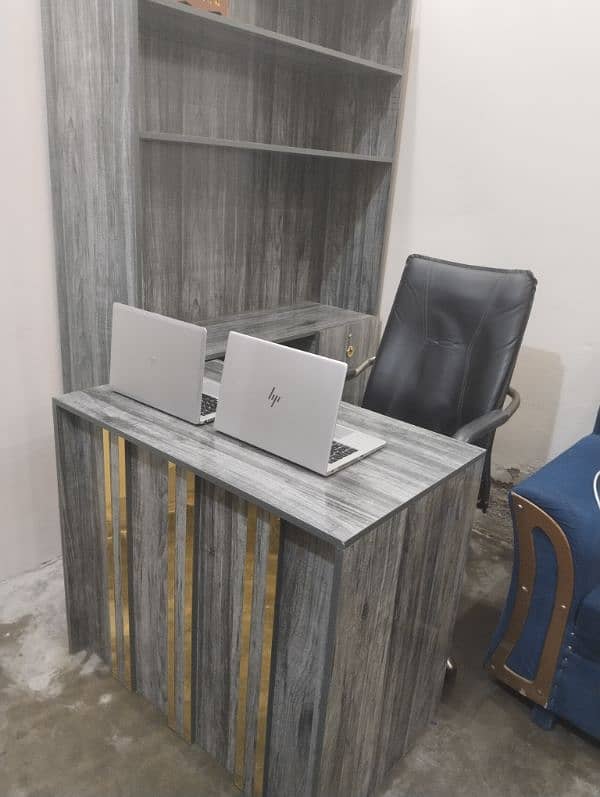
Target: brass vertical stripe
<point>267,650</point>
<point>246,619</point>
<point>188,604</point>
<point>124,553</point>
<point>110,554</point>
<point>171,566</point>
<point>270,587</point>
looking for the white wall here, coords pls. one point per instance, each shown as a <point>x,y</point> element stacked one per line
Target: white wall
<point>29,349</point>
<point>499,165</point>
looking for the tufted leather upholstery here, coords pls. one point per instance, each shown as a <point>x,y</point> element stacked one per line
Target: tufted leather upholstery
<point>451,343</point>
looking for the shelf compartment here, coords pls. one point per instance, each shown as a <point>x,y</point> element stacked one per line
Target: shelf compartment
<point>174,138</point>
<point>198,90</point>
<point>375,30</point>
<point>176,20</point>
<point>227,232</point>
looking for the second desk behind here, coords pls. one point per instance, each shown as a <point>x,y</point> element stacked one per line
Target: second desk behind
<point>322,329</point>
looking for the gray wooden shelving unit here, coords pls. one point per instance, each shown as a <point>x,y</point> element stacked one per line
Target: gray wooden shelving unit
<point>205,166</point>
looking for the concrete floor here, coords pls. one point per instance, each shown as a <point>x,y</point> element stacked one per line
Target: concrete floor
<point>67,729</point>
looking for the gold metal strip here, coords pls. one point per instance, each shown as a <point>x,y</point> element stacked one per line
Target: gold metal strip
<point>246,619</point>
<point>171,565</point>
<point>190,545</point>
<point>528,517</point>
<point>124,551</point>
<point>110,554</point>
<point>267,651</point>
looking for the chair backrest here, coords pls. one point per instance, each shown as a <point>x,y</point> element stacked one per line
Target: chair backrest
<point>451,343</point>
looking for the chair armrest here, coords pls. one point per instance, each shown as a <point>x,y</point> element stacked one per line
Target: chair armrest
<point>597,426</point>
<point>354,372</point>
<point>489,422</point>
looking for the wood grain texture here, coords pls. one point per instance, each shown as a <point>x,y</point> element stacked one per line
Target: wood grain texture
<point>147,490</point>
<point>363,336</point>
<point>191,268</point>
<point>161,242</point>
<point>431,577</point>
<point>339,509</point>
<point>357,696</point>
<point>375,30</point>
<point>240,95</point>
<point>354,234</point>
<point>90,54</point>
<point>239,31</point>
<point>399,594</point>
<point>222,528</point>
<point>299,671</point>
<point>224,231</point>
<point>80,469</point>
<point>283,325</point>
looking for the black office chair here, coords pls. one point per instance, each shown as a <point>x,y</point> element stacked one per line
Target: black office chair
<point>449,350</point>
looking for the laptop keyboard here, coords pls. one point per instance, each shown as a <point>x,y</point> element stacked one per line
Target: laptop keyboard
<point>209,404</point>
<point>339,451</point>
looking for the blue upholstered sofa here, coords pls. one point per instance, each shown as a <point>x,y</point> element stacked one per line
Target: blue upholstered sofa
<point>547,645</point>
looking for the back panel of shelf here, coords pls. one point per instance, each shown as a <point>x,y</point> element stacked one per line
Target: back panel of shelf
<point>357,35</point>
<point>374,29</point>
<point>230,231</point>
<point>203,89</point>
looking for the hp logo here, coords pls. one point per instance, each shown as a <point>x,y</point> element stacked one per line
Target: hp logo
<point>274,398</point>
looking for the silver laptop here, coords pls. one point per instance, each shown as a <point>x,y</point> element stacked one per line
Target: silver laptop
<point>160,361</point>
<point>286,402</point>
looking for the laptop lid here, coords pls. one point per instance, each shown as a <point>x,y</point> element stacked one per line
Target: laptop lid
<point>158,360</point>
<point>282,400</point>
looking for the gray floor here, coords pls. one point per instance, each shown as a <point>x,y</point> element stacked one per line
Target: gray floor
<point>67,729</point>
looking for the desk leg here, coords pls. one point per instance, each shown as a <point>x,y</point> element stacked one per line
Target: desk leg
<point>361,640</point>
<point>80,469</point>
<point>304,633</point>
<point>399,589</point>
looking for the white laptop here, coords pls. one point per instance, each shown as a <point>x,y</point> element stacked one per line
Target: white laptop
<point>160,361</point>
<point>286,402</point>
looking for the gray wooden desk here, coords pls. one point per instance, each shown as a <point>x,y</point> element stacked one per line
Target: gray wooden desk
<point>329,331</point>
<point>294,627</point>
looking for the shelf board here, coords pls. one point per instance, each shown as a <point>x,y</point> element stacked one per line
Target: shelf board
<point>206,141</point>
<point>171,18</point>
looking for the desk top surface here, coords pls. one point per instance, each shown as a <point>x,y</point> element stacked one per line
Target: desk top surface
<point>280,325</point>
<point>338,508</point>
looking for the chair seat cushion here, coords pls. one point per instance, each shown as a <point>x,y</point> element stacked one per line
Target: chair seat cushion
<point>588,624</point>
<point>566,490</point>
